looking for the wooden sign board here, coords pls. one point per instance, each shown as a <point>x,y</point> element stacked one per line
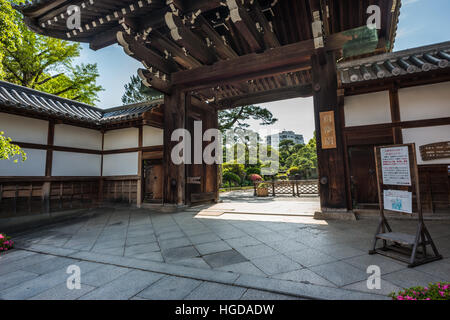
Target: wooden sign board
<point>435,151</point>
<point>328,130</point>
<point>398,180</point>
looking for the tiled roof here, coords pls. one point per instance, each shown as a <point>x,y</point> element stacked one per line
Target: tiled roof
<point>388,65</point>
<point>26,99</point>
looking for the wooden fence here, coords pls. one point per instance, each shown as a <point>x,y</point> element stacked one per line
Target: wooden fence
<point>294,188</point>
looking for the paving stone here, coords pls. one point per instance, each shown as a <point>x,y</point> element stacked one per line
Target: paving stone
<point>22,263</point>
<point>118,251</point>
<point>341,251</point>
<point>276,264</point>
<point>171,235</point>
<point>35,286</point>
<point>340,273</point>
<point>304,276</point>
<point>258,251</point>
<point>140,239</point>
<point>437,269</point>
<point>152,256</point>
<point>14,278</point>
<point>141,249</point>
<point>224,258</point>
<point>243,268</point>
<point>61,292</point>
<point>125,287</point>
<point>170,288</point>
<point>310,257</point>
<point>212,247</point>
<point>174,243</point>
<point>252,294</point>
<point>387,265</point>
<point>195,262</point>
<point>181,253</point>
<point>215,291</point>
<point>204,238</point>
<point>102,275</point>
<point>410,278</point>
<point>243,242</point>
<point>48,265</point>
<point>386,287</point>
<point>14,255</point>
<point>287,246</point>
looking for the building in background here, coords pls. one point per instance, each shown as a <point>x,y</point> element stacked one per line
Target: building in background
<point>275,139</point>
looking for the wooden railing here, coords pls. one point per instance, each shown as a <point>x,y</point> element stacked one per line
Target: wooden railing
<point>294,188</point>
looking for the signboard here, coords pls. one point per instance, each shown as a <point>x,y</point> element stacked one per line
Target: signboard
<point>395,166</point>
<point>328,130</point>
<point>397,200</point>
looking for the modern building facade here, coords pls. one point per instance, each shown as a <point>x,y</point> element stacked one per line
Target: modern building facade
<point>275,139</point>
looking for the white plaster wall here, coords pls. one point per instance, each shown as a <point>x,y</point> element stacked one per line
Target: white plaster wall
<point>152,136</point>
<point>122,164</point>
<point>76,137</point>
<point>367,109</point>
<point>68,164</point>
<point>427,135</point>
<point>425,102</point>
<point>23,129</point>
<point>121,139</point>
<point>34,166</point>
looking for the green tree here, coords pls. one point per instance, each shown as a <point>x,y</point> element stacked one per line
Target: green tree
<point>136,92</point>
<point>9,150</point>
<point>238,117</point>
<point>8,30</point>
<point>45,63</point>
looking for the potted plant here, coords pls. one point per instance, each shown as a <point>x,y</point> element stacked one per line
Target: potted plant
<point>262,190</point>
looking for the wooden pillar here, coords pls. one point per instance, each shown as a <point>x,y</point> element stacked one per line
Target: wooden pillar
<point>330,149</point>
<point>46,186</point>
<point>101,181</point>
<point>140,184</point>
<point>174,175</point>
<point>395,115</point>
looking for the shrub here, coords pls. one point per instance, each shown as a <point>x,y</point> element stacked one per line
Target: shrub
<point>253,170</point>
<point>231,177</point>
<point>5,242</point>
<point>437,291</point>
<point>255,177</point>
<point>263,186</point>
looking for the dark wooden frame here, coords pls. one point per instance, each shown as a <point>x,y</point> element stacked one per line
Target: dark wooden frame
<point>422,238</point>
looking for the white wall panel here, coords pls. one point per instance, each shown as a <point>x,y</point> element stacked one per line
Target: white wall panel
<point>153,136</point>
<point>34,166</point>
<point>427,135</point>
<point>122,164</point>
<point>367,109</point>
<point>76,137</point>
<point>68,164</point>
<point>425,102</point>
<point>121,139</point>
<point>23,129</point>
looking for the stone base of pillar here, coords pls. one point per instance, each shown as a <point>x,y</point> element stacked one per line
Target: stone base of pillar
<point>335,214</point>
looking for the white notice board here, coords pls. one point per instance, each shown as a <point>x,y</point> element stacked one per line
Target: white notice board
<point>395,166</point>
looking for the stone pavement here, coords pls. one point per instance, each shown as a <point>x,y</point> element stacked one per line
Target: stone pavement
<point>128,253</point>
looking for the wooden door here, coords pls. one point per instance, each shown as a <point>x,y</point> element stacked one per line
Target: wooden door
<point>363,176</point>
<point>153,187</point>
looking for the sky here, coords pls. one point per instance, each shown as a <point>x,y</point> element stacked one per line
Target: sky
<point>422,22</point>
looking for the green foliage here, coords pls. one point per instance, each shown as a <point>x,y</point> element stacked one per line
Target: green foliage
<point>231,177</point>
<point>303,157</point>
<point>45,63</point>
<point>253,170</point>
<point>8,30</point>
<point>9,150</point>
<point>293,171</point>
<point>263,186</point>
<point>136,92</point>
<point>238,117</point>
<point>436,291</point>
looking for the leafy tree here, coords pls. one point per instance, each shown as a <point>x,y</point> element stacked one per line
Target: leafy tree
<point>9,150</point>
<point>136,92</point>
<point>45,63</point>
<point>237,117</point>
<point>8,30</point>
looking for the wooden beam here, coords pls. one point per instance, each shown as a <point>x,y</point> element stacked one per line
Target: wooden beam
<point>150,80</point>
<point>222,49</point>
<point>189,40</point>
<point>265,96</point>
<point>245,24</point>
<point>270,37</point>
<point>395,115</point>
<point>141,53</point>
